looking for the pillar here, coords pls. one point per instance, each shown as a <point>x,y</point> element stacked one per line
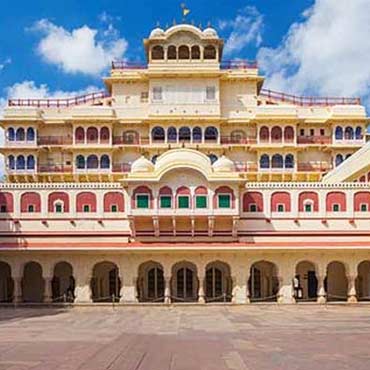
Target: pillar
<point>286,294</point>
<point>240,292</point>
<point>82,292</point>
<point>17,292</point>
<point>48,294</point>
<point>201,295</point>
<point>167,289</point>
<point>321,294</point>
<point>352,295</point>
<point>128,290</point>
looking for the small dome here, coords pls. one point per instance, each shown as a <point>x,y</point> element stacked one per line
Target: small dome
<point>157,32</point>
<point>210,32</point>
<point>142,165</point>
<point>223,164</point>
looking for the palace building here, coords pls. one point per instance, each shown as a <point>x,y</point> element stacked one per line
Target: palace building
<point>185,180</point>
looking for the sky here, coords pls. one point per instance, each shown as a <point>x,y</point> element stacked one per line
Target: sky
<point>63,48</point>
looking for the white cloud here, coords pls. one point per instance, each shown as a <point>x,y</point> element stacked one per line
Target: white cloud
<point>4,63</point>
<point>327,53</point>
<point>245,29</point>
<point>82,50</point>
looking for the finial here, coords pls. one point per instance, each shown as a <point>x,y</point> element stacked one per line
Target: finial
<point>209,24</point>
<point>200,26</point>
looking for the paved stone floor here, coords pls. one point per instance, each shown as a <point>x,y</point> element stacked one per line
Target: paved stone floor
<point>186,337</point>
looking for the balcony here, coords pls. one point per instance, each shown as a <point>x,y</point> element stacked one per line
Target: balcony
<point>130,140</point>
<point>54,140</point>
<point>246,166</point>
<point>54,168</point>
<point>122,64</point>
<point>234,140</point>
<point>121,167</point>
<point>318,140</point>
<point>314,167</point>
<point>239,64</point>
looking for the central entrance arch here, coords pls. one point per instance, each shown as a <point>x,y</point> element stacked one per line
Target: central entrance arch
<point>218,283</point>
<point>151,282</point>
<point>336,282</point>
<point>185,282</point>
<point>306,275</point>
<point>33,284</point>
<point>263,282</point>
<point>63,283</point>
<point>105,284</point>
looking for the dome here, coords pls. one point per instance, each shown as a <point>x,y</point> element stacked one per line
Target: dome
<point>223,164</point>
<point>210,32</point>
<point>157,32</point>
<point>142,165</point>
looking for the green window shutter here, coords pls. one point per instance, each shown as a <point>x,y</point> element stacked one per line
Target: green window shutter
<point>201,201</point>
<point>166,201</point>
<point>58,208</point>
<point>142,201</point>
<point>183,201</point>
<point>114,208</point>
<point>336,208</point>
<point>363,207</point>
<point>224,201</point>
<point>280,208</point>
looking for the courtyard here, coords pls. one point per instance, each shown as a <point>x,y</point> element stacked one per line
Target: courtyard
<point>216,337</point>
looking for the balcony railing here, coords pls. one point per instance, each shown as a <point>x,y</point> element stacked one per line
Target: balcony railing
<point>314,167</point>
<point>238,64</point>
<point>307,100</point>
<point>54,140</point>
<point>121,167</point>
<point>314,140</point>
<point>119,140</point>
<point>59,103</point>
<point>246,167</point>
<point>232,140</point>
<point>54,168</point>
<point>122,64</point>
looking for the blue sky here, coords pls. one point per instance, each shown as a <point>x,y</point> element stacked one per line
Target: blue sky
<point>319,47</point>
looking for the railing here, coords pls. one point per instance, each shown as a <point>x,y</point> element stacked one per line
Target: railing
<point>238,64</point>
<point>313,167</point>
<point>56,103</point>
<point>314,139</point>
<point>238,140</point>
<point>119,140</point>
<point>246,167</point>
<point>54,140</point>
<point>54,168</point>
<point>307,100</point>
<point>122,64</point>
<point>121,167</point>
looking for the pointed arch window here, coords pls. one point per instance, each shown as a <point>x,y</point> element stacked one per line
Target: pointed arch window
<point>11,134</point>
<point>30,162</point>
<point>30,134</point>
<point>20,135</point>
<point>172,135</point>
<point>80,162</point>
<point>21,163</point>
<point>105,161</point>
<point>265,161</point>
<point>339,133</point>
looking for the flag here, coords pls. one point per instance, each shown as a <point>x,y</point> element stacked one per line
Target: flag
<point>185,11</point>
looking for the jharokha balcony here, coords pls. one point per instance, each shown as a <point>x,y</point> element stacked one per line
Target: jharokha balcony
<point>319,140</point>
<point>54,140</point>
<point>54,168</point>
<point>121,167</point>
<point>238,140</point>
<point>314,167</point>
<point>130,140</point>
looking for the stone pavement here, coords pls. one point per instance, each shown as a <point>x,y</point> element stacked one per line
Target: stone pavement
<point>305,337</point>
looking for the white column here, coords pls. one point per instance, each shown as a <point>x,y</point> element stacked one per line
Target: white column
<point>321,293</point>
<point>201,294</point>
<point>286,295</point>
<point>352,294</point>
<point>167,289</point>
<point>129,276</point>
<point>83,292</point>
<point>240,293</point>
<point>17,292</point>
<point>48,295</point>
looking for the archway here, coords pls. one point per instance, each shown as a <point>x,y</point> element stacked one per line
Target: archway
<point>105,283</point>
<point>63,283</point>
<point>336,283</point>
<point>263,282</point>
<point>151,282</point>
<point>184,282</point>
<point>307,281</point>
<point>363,281</point>
<point>33,284</point>
<point>218,283</point>
<point>6,283</point>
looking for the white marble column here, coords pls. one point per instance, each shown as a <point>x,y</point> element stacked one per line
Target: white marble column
<point>48,294</point>
<point>240,291</point>
<point>167,289</point>
<point>352,295</point>
<point>321,294</point>
<point>83,292</point>
<point>17,292</point>
<point>286,294</point>
<point>201,294</point>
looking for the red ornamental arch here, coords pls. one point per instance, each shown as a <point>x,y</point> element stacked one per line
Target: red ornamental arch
<point>224,190</point>
<point>7,202</point>
<point>336,197</point>
<point>114,198</point>
<point>54,197</point>
<point>250,198</point>
<point>86,199</point>
<point>362,197</point>
<point>308,196</point>
<point>30,199</point>
<point>280,198</point>
<point>142,190</point>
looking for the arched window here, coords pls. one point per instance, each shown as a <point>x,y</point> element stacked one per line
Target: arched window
<point>30,162</point>
<point>280,202</point>
<point>184,134</point>
<point>10,134</point>
<point>20,136</point>
<point>277,161</point>
<point>339,133</point>
<point>252,202</point>
<point>209,52</point>
<point>142,197</point>
<point>197,135</point>
<point>158,134</point>
<point>336,202</point>
<point>289,134</point>
<point>289,161</point>
<point>338,160</point>
<point>157,52</point>
<point>104,161</point>
<point>114,202</point>
<point>195,52</point>
<point>79,135</point>
<point>104,135</point>
<point>264,161</point>
<point>213,158</point>
<point>211,134</point>
<point>80,161</point>
<point>171,53</point>
<point>348,133</point>
<point>184,52</point>
<point>30,134</point>
<point>276,134</point>
<point>183,197</point>
<point>224,198</point>
<point>6,202</point>
<point>86,202</point>
<point>21,163</point>
<point>264,134</point>
<point>362,201</point>
<point>92,161</point>
<point>358,133</point>
<point>92,135</point>
<point>30,202</point>
<point>172,135</point>
<point>308,201</point>
<point>56,199</point>
<point>11,162</point>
